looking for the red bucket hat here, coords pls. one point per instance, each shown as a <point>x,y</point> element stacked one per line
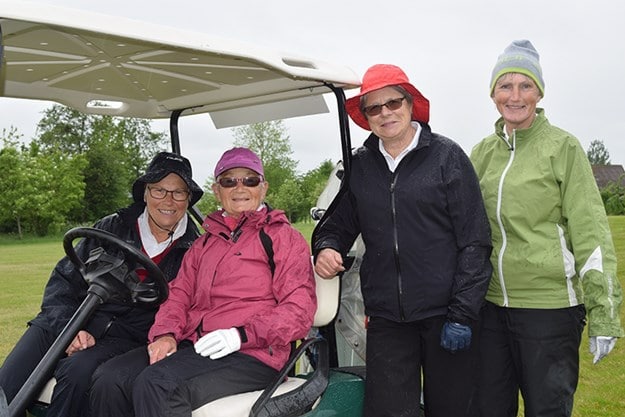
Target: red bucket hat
<point>384,75</point>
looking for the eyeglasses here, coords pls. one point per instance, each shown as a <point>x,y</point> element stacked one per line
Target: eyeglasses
<point>160,193</point>
<point>376,109</point>
<point>230,182</point>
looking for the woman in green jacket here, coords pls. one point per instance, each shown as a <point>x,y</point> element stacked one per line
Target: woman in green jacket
<point>553,257</point>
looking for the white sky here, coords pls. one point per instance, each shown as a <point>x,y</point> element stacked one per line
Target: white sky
<point>447,48</point>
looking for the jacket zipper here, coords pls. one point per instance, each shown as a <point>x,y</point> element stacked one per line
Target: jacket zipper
<point>236,233</point>
<point>504,237</point>
<point>396,248</point>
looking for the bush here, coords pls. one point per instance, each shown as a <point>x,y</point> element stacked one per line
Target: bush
<point>613,196</point>
<point>615,205</point>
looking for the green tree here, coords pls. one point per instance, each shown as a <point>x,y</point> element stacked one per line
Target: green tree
<point>107,182</point>
<point>271,143</point>
<point>289,198</point>
<point>64,129</point>
<point>597,153</point>
<point>12,182</point>
<point>208,203</point>
<point>313,183</point>
<point>116,150</point>
<point>57,182</point>
<point>38,190</point>
<point>132,139</point>
<point>613,197</point>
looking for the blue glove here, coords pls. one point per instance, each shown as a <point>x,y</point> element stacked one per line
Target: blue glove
<point>455,337</point>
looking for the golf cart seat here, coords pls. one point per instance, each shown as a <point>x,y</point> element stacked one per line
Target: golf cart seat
<point>288,393</point>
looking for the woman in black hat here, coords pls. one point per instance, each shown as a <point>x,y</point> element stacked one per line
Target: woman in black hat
<point>158,223</point>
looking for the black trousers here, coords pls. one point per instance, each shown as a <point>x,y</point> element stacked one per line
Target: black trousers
<point>70,397</point>
<point>400,354</point>
<point>23,359</point>
<point>534,351</point>
<point>128,386</point>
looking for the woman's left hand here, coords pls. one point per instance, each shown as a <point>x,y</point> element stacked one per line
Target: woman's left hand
<point>161,348</point>
<point>83,340</point>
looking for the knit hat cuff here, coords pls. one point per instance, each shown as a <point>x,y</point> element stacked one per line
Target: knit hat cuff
<point>519,70</point>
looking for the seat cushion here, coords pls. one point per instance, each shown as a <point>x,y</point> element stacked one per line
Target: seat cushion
<point>46,392</point>
<point>238,405</point>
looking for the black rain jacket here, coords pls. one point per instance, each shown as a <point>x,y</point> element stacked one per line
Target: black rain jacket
<point>66,289</point>
<point>425,230</point>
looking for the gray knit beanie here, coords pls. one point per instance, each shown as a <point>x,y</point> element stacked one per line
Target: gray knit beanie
<point>520,56</point>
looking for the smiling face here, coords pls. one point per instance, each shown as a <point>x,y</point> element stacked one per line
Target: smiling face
<point>393,127</point>
<point>165,213</point>
<point>240,198</point>
<point>516,96</point>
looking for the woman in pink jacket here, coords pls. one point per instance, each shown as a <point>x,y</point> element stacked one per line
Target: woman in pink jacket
<point>245,290</point>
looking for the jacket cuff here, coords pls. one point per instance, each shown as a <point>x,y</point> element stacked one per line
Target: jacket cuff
<point>460,320</point>
<point>155,338</point>
<point>242,334</point>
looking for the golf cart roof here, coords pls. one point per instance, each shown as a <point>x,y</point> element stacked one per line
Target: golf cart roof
<point>109,65</point>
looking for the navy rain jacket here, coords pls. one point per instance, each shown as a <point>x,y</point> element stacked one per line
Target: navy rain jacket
<point>425,230</point>
<point>66,289</point>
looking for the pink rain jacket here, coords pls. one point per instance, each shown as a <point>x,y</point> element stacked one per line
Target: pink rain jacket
<point>225,281</point>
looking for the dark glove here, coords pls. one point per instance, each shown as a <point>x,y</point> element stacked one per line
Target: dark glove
<point>455,337</point>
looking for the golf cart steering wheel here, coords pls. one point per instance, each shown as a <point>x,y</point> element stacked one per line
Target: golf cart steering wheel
<point>116,281</point>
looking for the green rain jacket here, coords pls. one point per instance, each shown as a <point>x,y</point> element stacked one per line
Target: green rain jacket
<point>552,246</point>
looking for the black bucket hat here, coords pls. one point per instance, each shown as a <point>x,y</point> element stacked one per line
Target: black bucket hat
<point>163,164</point>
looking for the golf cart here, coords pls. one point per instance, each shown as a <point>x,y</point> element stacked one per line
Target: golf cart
<point>107,65</point>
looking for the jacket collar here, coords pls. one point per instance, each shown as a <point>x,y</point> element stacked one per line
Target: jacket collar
<point>425,137</point>
<point>214,222</point>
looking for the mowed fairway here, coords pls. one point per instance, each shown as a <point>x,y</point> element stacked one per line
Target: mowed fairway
<point>25,267</point>
<point>24,271</point>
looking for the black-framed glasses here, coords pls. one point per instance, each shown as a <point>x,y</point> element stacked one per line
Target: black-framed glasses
<point>160,193</point>
<point>376,109</point>
<point>230,182</point>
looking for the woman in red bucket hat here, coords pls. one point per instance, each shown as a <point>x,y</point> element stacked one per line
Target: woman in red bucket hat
<point>384,75</point>
<point>415,199</point>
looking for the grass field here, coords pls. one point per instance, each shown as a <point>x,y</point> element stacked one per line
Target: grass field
<point>25,267</point>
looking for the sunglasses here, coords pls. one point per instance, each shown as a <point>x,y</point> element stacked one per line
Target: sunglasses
<point>376,109</point>
<point>231,182</point>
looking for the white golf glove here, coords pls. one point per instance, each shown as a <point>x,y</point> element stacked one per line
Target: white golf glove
<point>600,346</point>
<point>218,343</point>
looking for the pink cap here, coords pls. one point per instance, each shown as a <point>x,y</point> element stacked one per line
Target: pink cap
<point>239,158</point>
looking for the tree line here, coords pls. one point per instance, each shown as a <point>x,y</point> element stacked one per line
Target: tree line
<point>613,195</point>
<point>79,168</point>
